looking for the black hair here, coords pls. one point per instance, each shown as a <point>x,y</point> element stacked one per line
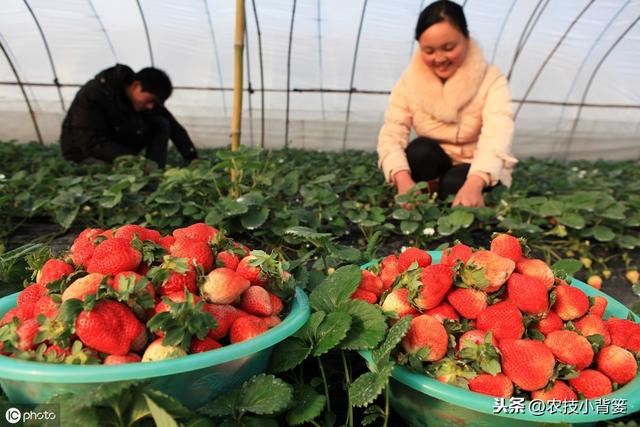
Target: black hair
<point>440,11</point>
<point>155,81</point>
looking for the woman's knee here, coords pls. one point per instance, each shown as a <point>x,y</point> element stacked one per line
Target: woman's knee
<point>427,159</point>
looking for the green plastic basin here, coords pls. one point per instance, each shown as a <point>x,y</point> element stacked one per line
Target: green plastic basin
<point>424,401</point>
<point>194,379</point>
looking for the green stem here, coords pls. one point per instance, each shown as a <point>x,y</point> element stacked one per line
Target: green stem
<point>347,376</point>
<point>314,423</point>
<point>324,383</point>
<point>386,406</point>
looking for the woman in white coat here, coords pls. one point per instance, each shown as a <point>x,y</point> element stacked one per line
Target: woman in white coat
<point>460,109</point>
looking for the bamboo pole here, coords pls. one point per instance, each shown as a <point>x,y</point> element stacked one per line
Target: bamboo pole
<point>236,120</point>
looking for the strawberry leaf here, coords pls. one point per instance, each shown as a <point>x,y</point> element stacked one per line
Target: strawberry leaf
<point>394,336</point>
<point>331,332</point>
<point>309,405</point>
<point>336,289</point>
<point>289,353</point>
<point>265,395</point>
<point>596,341</point>
<point>368,386</point>
<point>368,325</point>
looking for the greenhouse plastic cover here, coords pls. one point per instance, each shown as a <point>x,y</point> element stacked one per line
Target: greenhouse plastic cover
<point>324,68</point>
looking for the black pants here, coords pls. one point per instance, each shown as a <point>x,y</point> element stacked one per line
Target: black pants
<point>155,142</point>
<point>428,161</point>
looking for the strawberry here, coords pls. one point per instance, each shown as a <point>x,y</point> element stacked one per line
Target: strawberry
<point>528,293</point>
<point>129,231</point>
<point>46,306</point>
<point>132,329</point>
<point>551,322</point>
<point>436,281</point>
<point>633,343</point>
<point>166,242</point>
<point>271,321</point>
<point>83,246</point>
<point>496,269</point>
<point>591,384</point>
<point>83,287</point>
<point>442,312</point>
<point>365,296</point>
<point>112,359</point>
<point>196,251</point>
<point>256,301</point>
<point>245,328</point>
<point>528,363</point>
<point>507,246</point>
<point>475,336</point>
<point>503,319</point>
<point>225,315</point>
<point>397,302</point>
<point>157,351</point>
<point>538,269</point>
<point>559,391</point>
<point>468,302</point>
<point>108,328</point>
<point>28,298</point>
<point>389,261</point>
<point>15,312</point>
<point>52,270</point>
<point>252,273</point>
<point>498,385</point>
<point>371,283</point>
<point>223,286</point>
<point>617,363</point>
<point>411,255</point>
<point>227,259</point>
<point>621,330</point>
<point>206,344</point>
<point>452,255</point>
<point>113,256</point>
<point>178,282</point>
<point>388,275</point>
<point>599,306</point>
<point>199,231</point>
<point>593,325</point>
<point>121,280</point>
<point>180,296</point>
<point>426,332</point>
<point>276,303</point>
<point>570,348</point>
<point>571,303</point>
<point>26,333</point>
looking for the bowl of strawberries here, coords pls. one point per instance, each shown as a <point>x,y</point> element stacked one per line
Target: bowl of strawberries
<point>497,337</point>
<point>194,313</point>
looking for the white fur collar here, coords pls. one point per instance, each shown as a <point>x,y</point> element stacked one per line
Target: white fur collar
<point>444,100</point>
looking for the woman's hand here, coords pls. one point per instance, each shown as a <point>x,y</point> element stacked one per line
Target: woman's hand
<point>470,194</point>
<point>403,182</point>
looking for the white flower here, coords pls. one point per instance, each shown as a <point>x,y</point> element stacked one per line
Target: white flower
<point>500,217</point>
<point>2,176</point>
<point>402,249</point>
<point>574,169</point>
<point>582,174</point>
<point>429,231</point>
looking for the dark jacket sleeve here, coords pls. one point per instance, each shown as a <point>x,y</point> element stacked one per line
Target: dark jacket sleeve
<point>180,137</point>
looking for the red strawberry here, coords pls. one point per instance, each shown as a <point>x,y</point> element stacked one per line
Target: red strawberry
<point>452,255</point>
<point>223,286</point>
<point>225,315</point>
<point>442,312</point>
<point>571,303</point>
<point>559,391</point>
<point>468,302</point>
<point>633,343</point>
<point>166,242</point>
<point>52,270</point>
<point>599,306</point>
<point>245,328</point>
<point>528,363</point>
<point>388,275</point>
<point>371,283</point>
<point>397,302</point>
<point>475,336</point>
<point>178,282</point>
<point>28,298</point>
<point>27,332</point>
<point>46,306</point>
<point>621,330</point>
<point>113,256</point>
<point>15,312</point>
<point>411,255</point>
<point>426,332</point>
<point>83,287</point>
<point>256,301</point>
<point>54,349</point>
<point>618,364</point>
<point>128,232</point>
<point>389,261</point>
<point>496,268</point>
<point>538,269</point>
<point>528,293</point>
<point>591,384</point>
<point>196,251</point>
<point>276,303</point>
<point>104,330</point>
<point>570,348</point>
<point>132,329</point>
<point>503,319</point>
<point>227,259</point>
<point>365,296</point>
<point>206,344</point>
<point>498,385</point>
<point>252,273</point>
<point>83,246</point>
<point>507,246</point>
<point>180,296</point>
<point>199,231</point>
<point>113,359</point>
<point>551,322</point>
<point>272,321</point>
<point>593,325</point>
<point>436,281</point>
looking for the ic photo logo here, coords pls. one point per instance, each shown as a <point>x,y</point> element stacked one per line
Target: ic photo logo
<point>13,415</point>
